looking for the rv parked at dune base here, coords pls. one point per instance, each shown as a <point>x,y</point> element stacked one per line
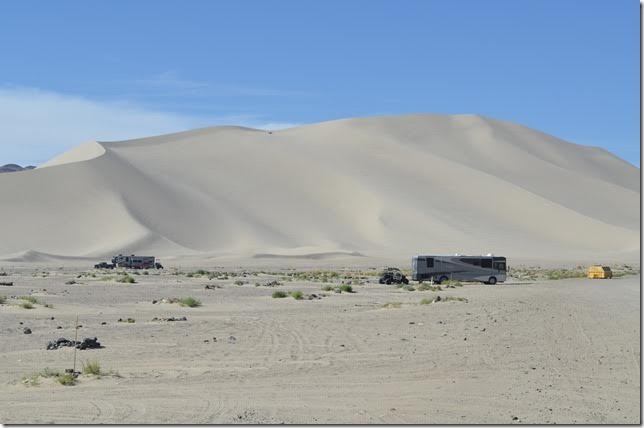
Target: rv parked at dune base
<point>486,269</point>
<point>136,262</point>
<point>131,261</point>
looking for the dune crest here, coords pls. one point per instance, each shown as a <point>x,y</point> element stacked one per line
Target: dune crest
<point>377,186</point>
<point>83,152</point>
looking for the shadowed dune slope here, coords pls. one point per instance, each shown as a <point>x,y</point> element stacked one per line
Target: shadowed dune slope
<point>381,186</point>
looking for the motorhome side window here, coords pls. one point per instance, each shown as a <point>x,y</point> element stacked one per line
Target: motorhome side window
<point>430,262</point>
<point>486,263</point>
<point>475,262</point>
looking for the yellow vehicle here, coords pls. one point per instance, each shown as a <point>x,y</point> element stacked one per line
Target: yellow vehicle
<point>600,272</point>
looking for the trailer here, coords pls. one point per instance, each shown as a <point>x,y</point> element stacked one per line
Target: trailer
<point>486,269</point>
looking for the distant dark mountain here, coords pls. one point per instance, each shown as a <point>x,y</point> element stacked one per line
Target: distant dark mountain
<point>12,167</point>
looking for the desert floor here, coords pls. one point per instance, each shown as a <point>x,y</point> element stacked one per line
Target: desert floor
<point>562,351</point>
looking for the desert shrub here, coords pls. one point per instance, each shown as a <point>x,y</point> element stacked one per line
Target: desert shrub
<point>391,305</point>
<point>126,278</point>
<point>3,299</point>
<point>27,305</point>
<point>190,302</point>
<point>30,299</point>
<point>279,294</point>
<point>92,368</point>
<point>70,282</point>
<point>48,306</point>
<point>408,288</point>
<point>554,274</point>
<point>327,288</point>
<point>297,295</point>
<point>67,379</point>
<point>346,288</point>
<point>31,380</point>
<point>428,287</point>
<point>425,301</point>
<point>145,272</point>
<point>238,282</point>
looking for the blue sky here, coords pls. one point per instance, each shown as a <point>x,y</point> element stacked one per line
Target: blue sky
<point>78,70</point>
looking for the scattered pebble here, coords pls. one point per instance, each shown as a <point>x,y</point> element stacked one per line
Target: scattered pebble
<point>170,319</point>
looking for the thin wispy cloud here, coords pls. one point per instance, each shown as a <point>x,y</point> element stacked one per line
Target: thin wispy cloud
<point>37,125</point>
<point>178,85</point>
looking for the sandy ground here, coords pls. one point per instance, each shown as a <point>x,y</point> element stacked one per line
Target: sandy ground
<point>564,351</point>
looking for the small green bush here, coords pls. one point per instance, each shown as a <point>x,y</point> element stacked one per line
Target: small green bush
<point>425,301</point>
<point>70,282</point>
<point>3,299</point>
<point>346,288</point>
<point>279,294</point>
<point>30,299</point>
<point>238,282</point>
<point>190,302</point>
<point>297,295</point>
<point>327,288</point>
<point>26,305</point>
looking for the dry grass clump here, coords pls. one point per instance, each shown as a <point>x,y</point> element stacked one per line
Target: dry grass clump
<point>92,368</point>
<point>450,283</point>
<point>67,379</point>
<point>392,305</point>
<point>126,278</point>
<point>34,378</point>
<point>30,299</point>
<point>453,299</point>
<point>3,299</point>
<point>428,287</point>
<point>425,301</point>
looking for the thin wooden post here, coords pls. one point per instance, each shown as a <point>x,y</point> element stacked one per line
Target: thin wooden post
<point>75,343</point>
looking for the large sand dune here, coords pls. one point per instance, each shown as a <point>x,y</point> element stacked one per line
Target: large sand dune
<point>377,187</point>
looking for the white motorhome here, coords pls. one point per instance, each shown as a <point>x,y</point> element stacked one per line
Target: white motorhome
<point>487,269</point>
